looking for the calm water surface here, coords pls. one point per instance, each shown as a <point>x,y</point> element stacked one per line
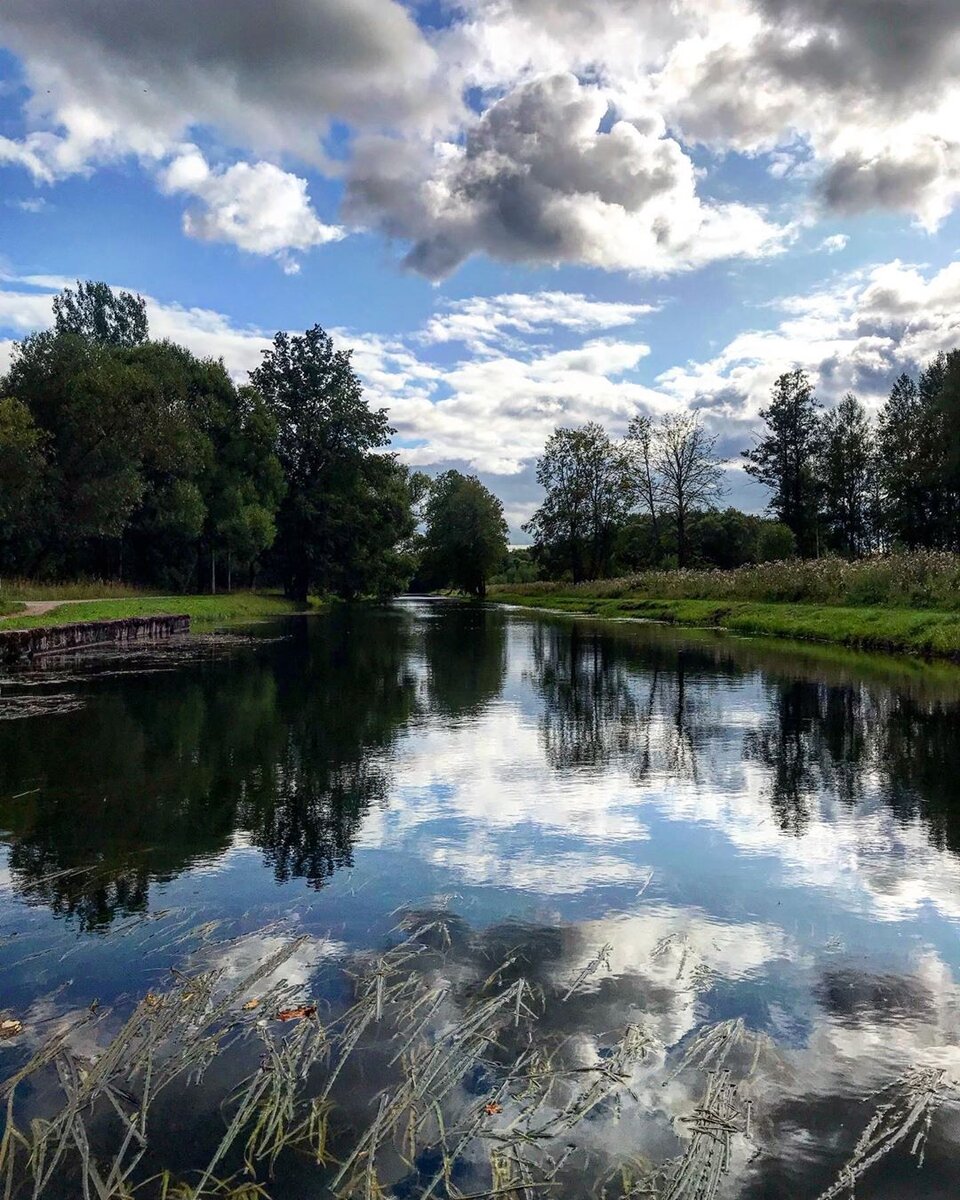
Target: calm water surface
<point>754,831</point>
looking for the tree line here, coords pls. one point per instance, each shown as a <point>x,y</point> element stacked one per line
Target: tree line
<point>126,457</point>
<point>839,482</point>
<point>649,499</point>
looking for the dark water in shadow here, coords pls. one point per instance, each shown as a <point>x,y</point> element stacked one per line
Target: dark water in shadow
<point>756,831</point>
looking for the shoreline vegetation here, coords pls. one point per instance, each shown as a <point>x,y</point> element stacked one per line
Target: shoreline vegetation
<point>204,611</point>
<point>897,604</point>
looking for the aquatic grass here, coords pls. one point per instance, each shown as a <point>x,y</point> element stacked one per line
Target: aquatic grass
<point>908,1109</point>
<point>473,1090</point>
<point>715,1121</point>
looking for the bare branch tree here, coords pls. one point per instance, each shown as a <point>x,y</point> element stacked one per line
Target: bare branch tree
<point>640,447</point>
<point>690,477</point>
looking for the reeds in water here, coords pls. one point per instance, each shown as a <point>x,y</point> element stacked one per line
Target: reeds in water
<point>440,1078</point>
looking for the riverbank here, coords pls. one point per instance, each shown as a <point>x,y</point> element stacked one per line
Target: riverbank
<point>203,610</point>
<point>891,630</point>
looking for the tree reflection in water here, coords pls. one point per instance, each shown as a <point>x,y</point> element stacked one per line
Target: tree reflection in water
<point>287,745</point>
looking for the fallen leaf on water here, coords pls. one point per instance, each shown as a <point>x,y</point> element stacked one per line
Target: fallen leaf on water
<point>491,1108</point>
<point>10,1027</point>
<point>251,1004</point>
<point>294,1014</point>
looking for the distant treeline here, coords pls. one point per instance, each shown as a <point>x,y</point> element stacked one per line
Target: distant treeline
<point>839,483</point>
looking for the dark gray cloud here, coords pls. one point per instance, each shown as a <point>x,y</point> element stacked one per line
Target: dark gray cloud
<point>855,185</point>
<point>540,179</point>
<point>893,50</point>
<point>270,74</point>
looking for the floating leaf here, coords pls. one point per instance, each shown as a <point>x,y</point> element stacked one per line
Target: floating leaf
<point>10,1027</point>
<point>295,1014</point>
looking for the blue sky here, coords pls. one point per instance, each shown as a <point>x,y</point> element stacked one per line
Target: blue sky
<point>519,214</point>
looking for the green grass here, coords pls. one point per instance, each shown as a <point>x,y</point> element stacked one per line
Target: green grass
<point>893,630</point>
<point>204,610</point>
<point>78,589</point>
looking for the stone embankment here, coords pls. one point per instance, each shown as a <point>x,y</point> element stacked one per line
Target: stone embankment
<point>16,644</point>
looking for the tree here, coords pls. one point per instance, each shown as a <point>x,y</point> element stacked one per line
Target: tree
<point>588,483</point>
<point>725,539</point>
<point>904,500</point>
<point>640,446</point>
<point>466,536</point>
<point>847,476</point>
<point>785,458</point>
<point>775,542</point>
<point>941,384</point>
<point>690,476</point>
<point>335,524</point>
<point>22,468</point>
<point>88,404</point>
<point>97,313</point>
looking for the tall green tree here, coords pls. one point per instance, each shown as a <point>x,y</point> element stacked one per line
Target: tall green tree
<point>97,313</point>
<point>785,458</point>
<point>465,540</point>
<point>902,470</point>
<point>22,473</point>
<point>337,526</point>
<point>588,484</point>
<point>88,404</point>
<point>690,477</point>
<point>847,473</point>
<point>942,379</point>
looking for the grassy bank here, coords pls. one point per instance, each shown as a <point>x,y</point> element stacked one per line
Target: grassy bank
<point>204,610</point>
<point>890,629</point>
<point>13,588</point>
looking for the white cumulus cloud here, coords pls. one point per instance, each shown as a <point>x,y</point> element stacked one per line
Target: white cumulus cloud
<point>256,206</point>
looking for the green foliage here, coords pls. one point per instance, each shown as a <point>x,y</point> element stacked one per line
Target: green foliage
<point>775,542</point>
<point>87,402</point>
<point>904,502</point>
<point>726,539</point>
<point>588,484</point>
<point>924,579</point>
<point>97,314</point>
<point>786,456</point>
<point>126,458</point>
<point>22,468</point>
<point>346,515</point>
<point>519,566</point>
<point>466,536</point>
<point>847,478</point>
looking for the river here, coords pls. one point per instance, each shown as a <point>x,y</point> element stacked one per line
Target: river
<point>748,853</point>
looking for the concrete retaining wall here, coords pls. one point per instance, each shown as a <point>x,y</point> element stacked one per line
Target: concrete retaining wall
<point>26,643</point>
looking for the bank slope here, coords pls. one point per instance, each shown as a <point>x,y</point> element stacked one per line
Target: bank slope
<point>894,630</point>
